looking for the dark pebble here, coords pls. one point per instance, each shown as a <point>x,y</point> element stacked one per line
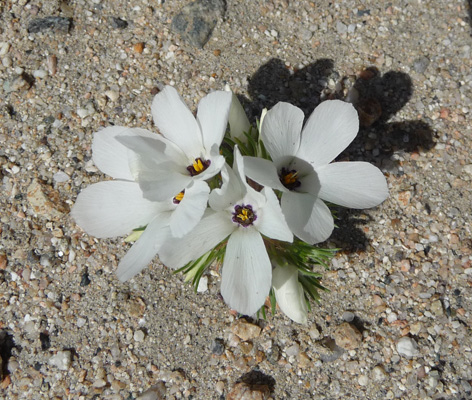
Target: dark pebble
<point>45,341</point>
<point>118,23</point>
<point>54,23</point>
<point>85,280</point>
<point>217,347</point>
<point>196,21</point>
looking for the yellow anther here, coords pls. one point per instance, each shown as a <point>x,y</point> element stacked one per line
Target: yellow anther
<point>243,215</point>
<point>290,178</point>
<point>180,196</point>
<point>198,165</point>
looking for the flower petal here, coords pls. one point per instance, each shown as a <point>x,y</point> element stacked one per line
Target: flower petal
<point>289,293</point>
<point>307,216</point>
<point>230,192</point>
<point>211,230</point>
<point>264,172</point>
<point>310,183</point>
<point>271,221</point>
<point>247,272</point>
<point>156,148</point>
<point>189,211</point>
<point>212,115</point>
<point>281,129</point>
<point>238,121</point>
<point>145,248</point>
<point>332,126</point>
<point>238,167</point>
<point>162,184</point>
<point>352,184</point>
<point>176,122</point>
<point>110,155</point>
<point>113,208</point>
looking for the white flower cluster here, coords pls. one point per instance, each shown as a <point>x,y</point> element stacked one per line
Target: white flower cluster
<point>190,207</point>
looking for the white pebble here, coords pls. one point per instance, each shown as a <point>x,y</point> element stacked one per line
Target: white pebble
<point>112,95</point>
<point>40,73</point>
<point>139,336</point>
<point>202,285</point>
<point>363,380</point>
<point>60,177</point>
<point>4,47</point>
<point>407,347</point>
<point>61,360</point>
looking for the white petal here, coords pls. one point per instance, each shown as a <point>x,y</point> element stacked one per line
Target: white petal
<point>307,216</point>
<point>163,184</point>
<point>247,272</point>
<point>212,115</point>
<point>113,208</point>
<point>231,191</point>
<point>289,293</point>
<point>238,121</point>
<point>353,184</point>
<point>238,167</point>
<point>310,183</point>
<point>264,172</point>
<point>189,211</point>
<point>211,230</point>
<point>145,249</point>
<point>332,126</point>
<point>270,220</point>
<point>281,129</point>
<point>109,155</point>
<point>176,122</point>
<point>156,148</point>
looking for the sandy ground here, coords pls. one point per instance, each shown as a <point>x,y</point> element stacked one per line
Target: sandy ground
<point>69,329</point>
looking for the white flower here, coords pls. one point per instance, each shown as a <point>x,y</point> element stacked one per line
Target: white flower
<point>243,214</point>
<point>189,148</point>
<point>301,167</point>
<point>238,121</point>
<point>289,293</point>
<point>160,183</point>
<point>114,208</point>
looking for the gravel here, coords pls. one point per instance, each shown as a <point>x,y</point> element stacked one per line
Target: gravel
<point>70,329</point>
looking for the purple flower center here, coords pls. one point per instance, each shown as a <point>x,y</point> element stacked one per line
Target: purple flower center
<point>198,166</point>
<point>244,215</point>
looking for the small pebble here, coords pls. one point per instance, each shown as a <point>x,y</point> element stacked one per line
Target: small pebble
<point>217,347</point>
<point>407,347</point>
<point>118,23</point>
<point>245,391</point>
<point>112,95</point>
<point>60,177</point>
<point>138,336</point>
<point>61,360</point>
<point>378,373</point>
<point>40,73</point>
<point>156,392</point>
<point>202,284</point>
<point>49,23</point>
<point>245,330</point>
<point>347,336</point>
